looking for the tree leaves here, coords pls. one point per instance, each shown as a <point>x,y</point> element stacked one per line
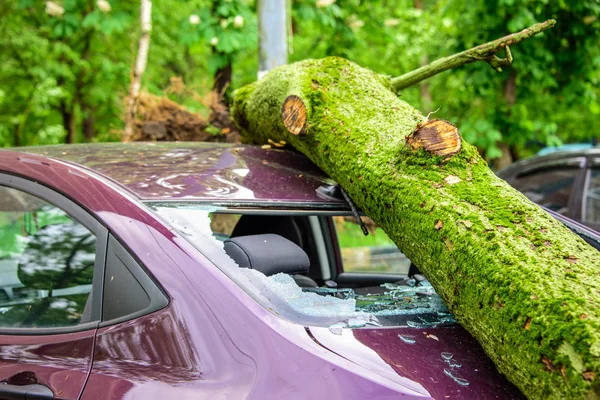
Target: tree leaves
<point>87,53</point>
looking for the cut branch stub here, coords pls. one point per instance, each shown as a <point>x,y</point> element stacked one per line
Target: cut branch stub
<point>437,137</point>
<point>293,114</point>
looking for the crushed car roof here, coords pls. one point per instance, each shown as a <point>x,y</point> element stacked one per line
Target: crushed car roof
<point>216,172</point>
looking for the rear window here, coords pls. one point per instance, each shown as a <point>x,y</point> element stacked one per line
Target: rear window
<point>311,298</point>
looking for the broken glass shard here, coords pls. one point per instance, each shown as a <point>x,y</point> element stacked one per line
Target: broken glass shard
<point>337,328</point>
<point>454,364</point>
<point>460,381</point>
<point>409,339</point>
<point>357,322</point>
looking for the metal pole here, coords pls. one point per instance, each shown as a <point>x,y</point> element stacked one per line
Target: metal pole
<point>272,35</point>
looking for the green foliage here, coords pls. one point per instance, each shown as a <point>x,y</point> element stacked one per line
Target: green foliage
<point>228,26</point>
<point>351,236</point>
<point>556,75</point>
<point>213,130</point>
<point>60,67</point>
<point>77,65</point>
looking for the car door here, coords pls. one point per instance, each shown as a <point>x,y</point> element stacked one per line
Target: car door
<point>51,270</point>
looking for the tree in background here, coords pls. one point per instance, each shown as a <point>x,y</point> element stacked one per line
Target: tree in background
<point>549,95</point>
<point>57,73</point>
<point>228,27</point>
<point>139,68</point>
<point>65,72</point>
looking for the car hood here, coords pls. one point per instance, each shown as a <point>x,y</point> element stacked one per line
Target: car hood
<point>444,362</point>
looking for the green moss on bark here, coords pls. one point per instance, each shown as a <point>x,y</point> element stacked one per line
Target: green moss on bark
<point>523,284</point>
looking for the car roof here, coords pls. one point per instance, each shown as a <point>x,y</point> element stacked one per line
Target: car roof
<point>199,171</point>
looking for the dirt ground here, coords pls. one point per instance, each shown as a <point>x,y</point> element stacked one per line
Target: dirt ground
<point>161,119</point>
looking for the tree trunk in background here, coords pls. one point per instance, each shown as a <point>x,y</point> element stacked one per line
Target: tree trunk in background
<point>505,159</point>
<point>88,123</point>
<point>139,68</point>
<point>510,96</point>
<point>424,85</point>
<point>520,281</point>
<point>222,79</point>
<point>87,114</point>
<point>424,89</point>
<point>16,135</point>
<point>68,118</point>
<point>510,89</point>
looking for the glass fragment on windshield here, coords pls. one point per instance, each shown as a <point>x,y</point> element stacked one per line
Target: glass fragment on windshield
<point>416,303</point>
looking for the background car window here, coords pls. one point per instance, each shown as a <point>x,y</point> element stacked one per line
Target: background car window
<point>46,264</point>
<point>591,211</point>
<point>375,253</point>
<point>550,188</point>
<point>222,225</point>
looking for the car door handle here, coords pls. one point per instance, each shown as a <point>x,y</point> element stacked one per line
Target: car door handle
<point>25,392</point>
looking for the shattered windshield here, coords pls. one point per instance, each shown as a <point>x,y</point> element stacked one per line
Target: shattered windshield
<point>352,281</point>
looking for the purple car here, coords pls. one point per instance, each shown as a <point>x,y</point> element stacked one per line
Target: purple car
<point>210,271</point>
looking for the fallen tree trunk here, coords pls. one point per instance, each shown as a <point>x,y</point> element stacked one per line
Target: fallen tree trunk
<point>525,286</point>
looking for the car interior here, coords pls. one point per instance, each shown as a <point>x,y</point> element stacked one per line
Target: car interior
<point>327,253</point>
<point>294,240</point>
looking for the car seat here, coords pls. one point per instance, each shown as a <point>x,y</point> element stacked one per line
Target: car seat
<point>282,225</point>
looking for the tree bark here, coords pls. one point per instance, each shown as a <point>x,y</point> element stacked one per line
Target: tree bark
<point>139,68</point>
<point>484,52</point>
<point>521,282</point>
<point>87,114</point>
<point>68,116</point>
<point>424,89</point>
<point>88,122</point>
<point>16,135</point>
<point>423,85</point>
<point>510,96</point>
<point>222,80</point>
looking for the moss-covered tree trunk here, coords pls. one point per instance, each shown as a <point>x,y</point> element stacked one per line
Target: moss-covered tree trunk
<point>523,284</point>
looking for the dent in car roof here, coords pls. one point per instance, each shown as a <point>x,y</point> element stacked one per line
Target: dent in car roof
<point>198,171</point>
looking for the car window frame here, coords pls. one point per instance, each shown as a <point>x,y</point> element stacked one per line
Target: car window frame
<point>576,200</point>
<point>592,163</point>
<point>83,217</point>
<point>348,279</point>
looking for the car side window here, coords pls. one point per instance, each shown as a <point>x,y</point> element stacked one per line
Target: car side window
<point>46,264</point>
<point>591,201</point>
<point>128,291</point>
<point>550,188</point>
<point>375,253</point>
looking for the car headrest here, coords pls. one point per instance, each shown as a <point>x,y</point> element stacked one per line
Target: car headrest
<point>58,256</point>
<point>282,225</point>
<point>267,253</point>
